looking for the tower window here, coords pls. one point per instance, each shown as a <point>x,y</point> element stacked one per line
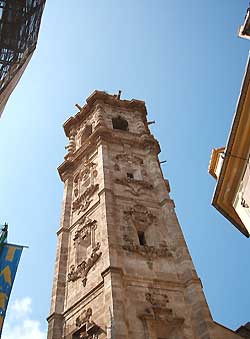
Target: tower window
<point>141,237</point>
<point>130,176</point>
<point>120,123</point>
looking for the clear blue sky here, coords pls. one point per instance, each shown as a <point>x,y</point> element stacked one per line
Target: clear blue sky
<point>185,60</point>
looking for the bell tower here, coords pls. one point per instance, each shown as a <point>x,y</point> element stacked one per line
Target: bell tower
<point>123,270</point>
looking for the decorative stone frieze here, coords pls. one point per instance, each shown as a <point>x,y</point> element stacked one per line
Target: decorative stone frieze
<point>156,298</point>
<point>164,319</point>
<point>88,171</point>
<point>85,229</point>
<point>162,314</point>
<point>84,318</point>
<point>134,186</point>
<point>130,158</point>
<point>149,252</point>
<point>82,270</point>
<point>139,216</point>
<point>82,203</point>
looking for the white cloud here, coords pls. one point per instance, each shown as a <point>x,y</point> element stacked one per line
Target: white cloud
<point>19,323</point>
<point>21,307</point>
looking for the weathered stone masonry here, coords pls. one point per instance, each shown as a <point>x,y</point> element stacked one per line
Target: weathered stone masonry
<point>123,270</point>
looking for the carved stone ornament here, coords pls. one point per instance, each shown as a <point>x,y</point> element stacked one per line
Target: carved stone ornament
<point>88,329</point>
<point>130,158</point>
<point>82,270</point>
<point>140,216</point>
<point>81,203</point>
<point>88,171</point>
<point>84,318</point>
<point>166,320</point>
<point>156,299</point>
<point>84,229</point>
<point>163,314</point>
<point>134,186</point>
<point>140,127</point>
<point>148,252</point>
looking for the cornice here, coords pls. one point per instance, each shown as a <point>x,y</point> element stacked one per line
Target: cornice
<point>107,99</point>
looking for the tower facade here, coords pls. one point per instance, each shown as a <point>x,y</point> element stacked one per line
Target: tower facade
<point>123,270</point>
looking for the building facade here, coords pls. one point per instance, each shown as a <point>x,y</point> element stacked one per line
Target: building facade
<point>230,165</point>
<point>123,269</point>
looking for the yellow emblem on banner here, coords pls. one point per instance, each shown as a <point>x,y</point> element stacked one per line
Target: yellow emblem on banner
<point>10,253</point>
<point>6,272</point>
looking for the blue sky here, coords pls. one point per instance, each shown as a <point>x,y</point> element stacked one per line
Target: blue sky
<point>185,60</point>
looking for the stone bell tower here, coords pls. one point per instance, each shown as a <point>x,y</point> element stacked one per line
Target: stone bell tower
<point>123,270</point>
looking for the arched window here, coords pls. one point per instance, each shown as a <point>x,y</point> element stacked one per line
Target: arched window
<point>120,123</point>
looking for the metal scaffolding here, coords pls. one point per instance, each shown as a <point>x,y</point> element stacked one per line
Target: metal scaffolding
<point>19,27</point>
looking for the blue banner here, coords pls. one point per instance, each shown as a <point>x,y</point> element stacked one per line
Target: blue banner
<point>9,260</point>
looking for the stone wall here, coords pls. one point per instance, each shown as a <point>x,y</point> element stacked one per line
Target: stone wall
<point>123,270</point>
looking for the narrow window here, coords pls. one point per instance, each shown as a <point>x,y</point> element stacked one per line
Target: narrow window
<point>130,176</point>
<point>120,123</point>
<point>141,237</point>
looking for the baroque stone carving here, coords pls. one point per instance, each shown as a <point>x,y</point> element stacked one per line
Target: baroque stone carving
<point>88,329</point>
<point>156,299</point>
<point>84,318</point>
<point>81,203</point>
<point>84,229</point>
<point>140,127</point>
<point>159,311</point>
<point>164,314</point>
<point>134,186</point>
<point>82,270</point>
<point>149,252</point>
<point>140,216</point>
<point>88,171</point>
<point>130,158</point>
